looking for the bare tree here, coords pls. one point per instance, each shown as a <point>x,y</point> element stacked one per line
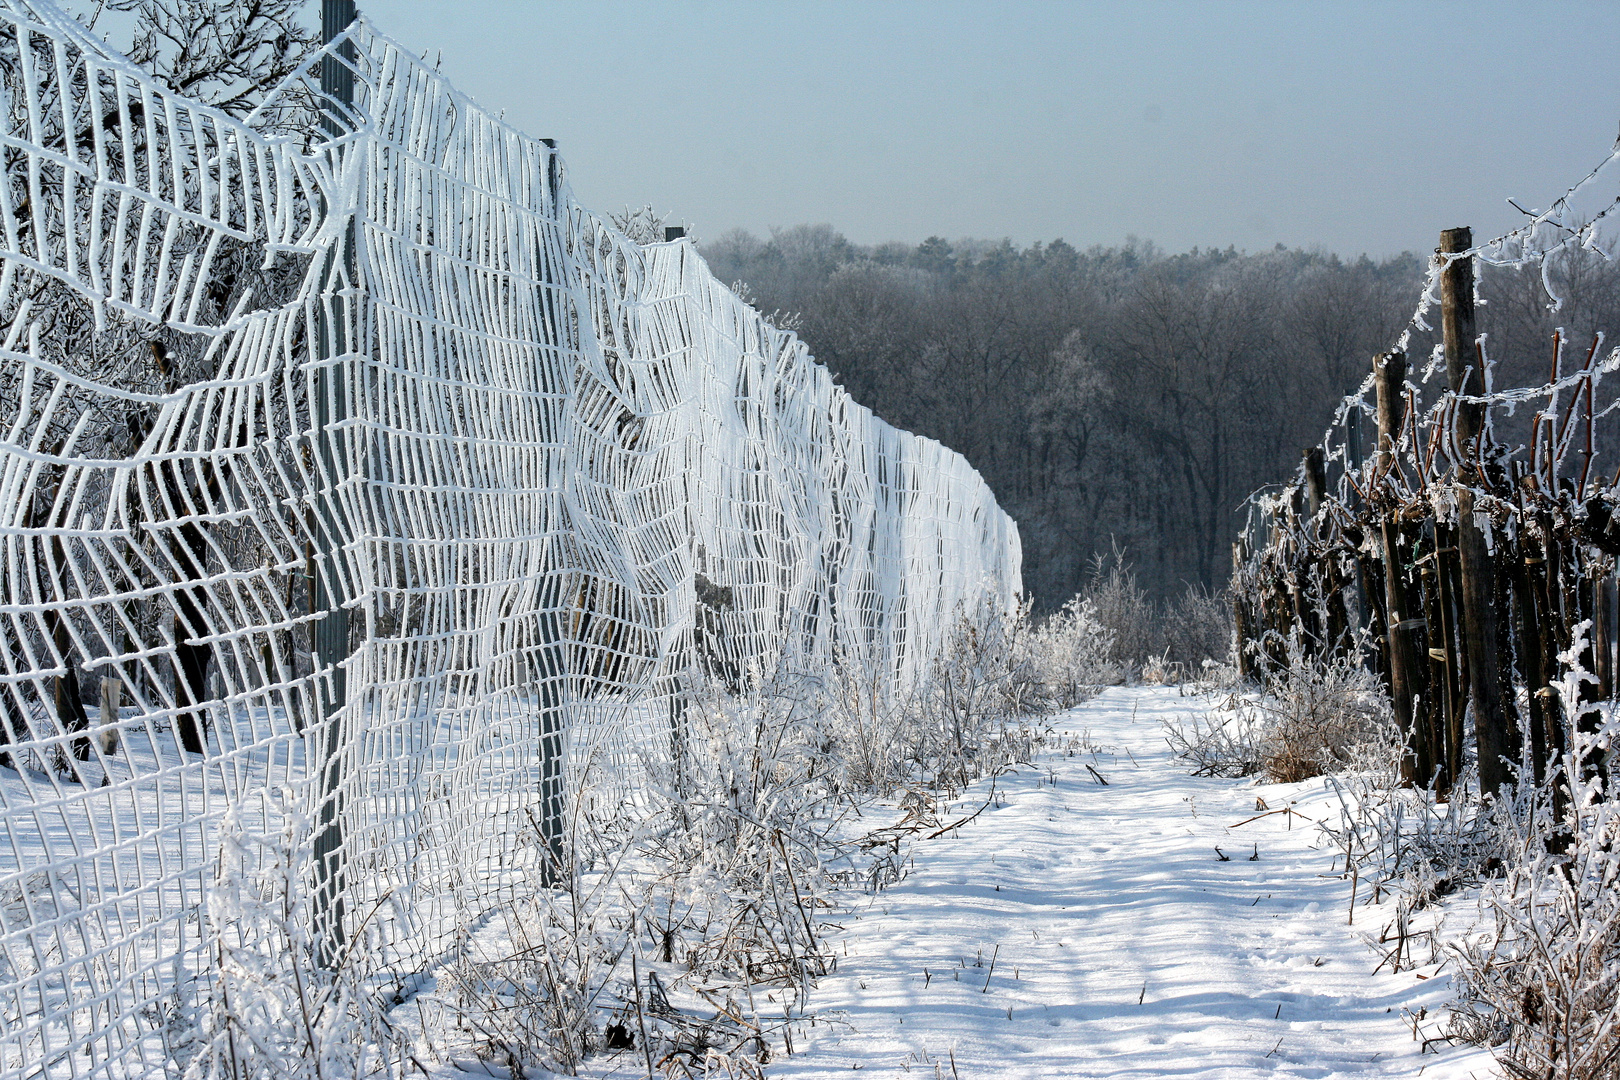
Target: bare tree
<point>228,55</point>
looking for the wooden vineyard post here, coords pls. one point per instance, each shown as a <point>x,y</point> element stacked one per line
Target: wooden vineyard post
<point>1603,655</point>
<point>1367,592</point>
<point>1544,577</point>
<point>1456,678</point>
<point>1240,617</point>
<point>1371,570</point>
<point>1315,481</point>
<point>1305,613</point>
<point>1436,709</point>
<point>1329,578</point>
<point>1532,668</point>
<point>552,665</point>
<point>1494,726</point>
<point>1602,612</point>
<point>1390,376</point>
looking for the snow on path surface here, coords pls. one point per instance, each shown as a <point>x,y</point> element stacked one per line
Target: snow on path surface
<point>1122,946</point>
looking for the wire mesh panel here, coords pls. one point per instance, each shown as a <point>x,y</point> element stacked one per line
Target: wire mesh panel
<point>397,382</point>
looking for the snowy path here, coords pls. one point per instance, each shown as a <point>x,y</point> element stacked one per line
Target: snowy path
<point>1122,946</point>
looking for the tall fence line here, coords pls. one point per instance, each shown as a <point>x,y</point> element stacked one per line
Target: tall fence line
<point>529,478</point>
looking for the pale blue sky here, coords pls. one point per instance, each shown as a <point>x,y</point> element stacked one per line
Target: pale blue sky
<point>1357,127</point>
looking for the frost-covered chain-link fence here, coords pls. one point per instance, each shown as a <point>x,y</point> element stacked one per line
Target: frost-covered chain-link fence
<point>371,491</point>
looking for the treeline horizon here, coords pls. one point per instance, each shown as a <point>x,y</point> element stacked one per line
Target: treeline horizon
<point>1124,398</point>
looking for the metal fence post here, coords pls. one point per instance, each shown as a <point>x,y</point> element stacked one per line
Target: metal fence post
<point>554,598</point>
<point>328,409</point>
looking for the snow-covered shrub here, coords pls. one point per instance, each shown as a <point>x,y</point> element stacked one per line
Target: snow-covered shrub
<point>1415,845</point>
<point>533,995</point>
<point>1222,741</point>
<point>1213,676</point>
<point>1160,670</point>
<point>872,738</point>
<point>972,712</point>
<point>1538,975</point>
<point>1542,981</point>
<point>736,838</point>
<point>978,687</point>
<point>1069,652</point>
<point>1315,711</point>
<point>1309,718</point>
<point>1121,606</point>
<point>273,1009</point>
<point>1196,627</point>
<point>1159,641</point>
<point>665,922</point>
<point>642,224</point>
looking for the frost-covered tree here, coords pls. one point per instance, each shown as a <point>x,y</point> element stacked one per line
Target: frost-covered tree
<point>224,54</point>
<point>229,55</point>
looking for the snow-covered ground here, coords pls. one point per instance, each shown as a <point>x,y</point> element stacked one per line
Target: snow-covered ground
<point>1075,929</point>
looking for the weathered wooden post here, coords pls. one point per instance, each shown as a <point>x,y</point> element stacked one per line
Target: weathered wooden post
<point>1240,616</point>
<point>1366,596</point>
<point>1390,376</point>
<point>1304,614</point>
<point>1555,608</point>
<point>1602,642</point>
<point>1525,573</point>
<point>1329,578</point>
<point>1371,569</point>
<point>1455,669</point>
<point>1315,481</point>
<point>553,684</point>
<point>1431,718</point>
<point>1495,726</point>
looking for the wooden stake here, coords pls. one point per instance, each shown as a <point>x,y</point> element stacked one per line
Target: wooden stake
<point>1602,611</point>
<point>1530,652</point>
<point>1390,371</point>
<point>1241,617</point>
<point>1432,764</point>
<point>1456,670</point>
<point>1495,727</point>
<point>1329,579</point>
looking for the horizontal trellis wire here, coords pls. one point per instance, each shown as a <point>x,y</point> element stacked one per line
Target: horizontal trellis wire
<point>546,474</point>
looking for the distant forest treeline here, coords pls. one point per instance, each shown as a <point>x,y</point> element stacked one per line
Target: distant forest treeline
<point>1122,395</point>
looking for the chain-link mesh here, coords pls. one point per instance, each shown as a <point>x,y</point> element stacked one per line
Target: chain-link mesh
<point>371,483</point>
